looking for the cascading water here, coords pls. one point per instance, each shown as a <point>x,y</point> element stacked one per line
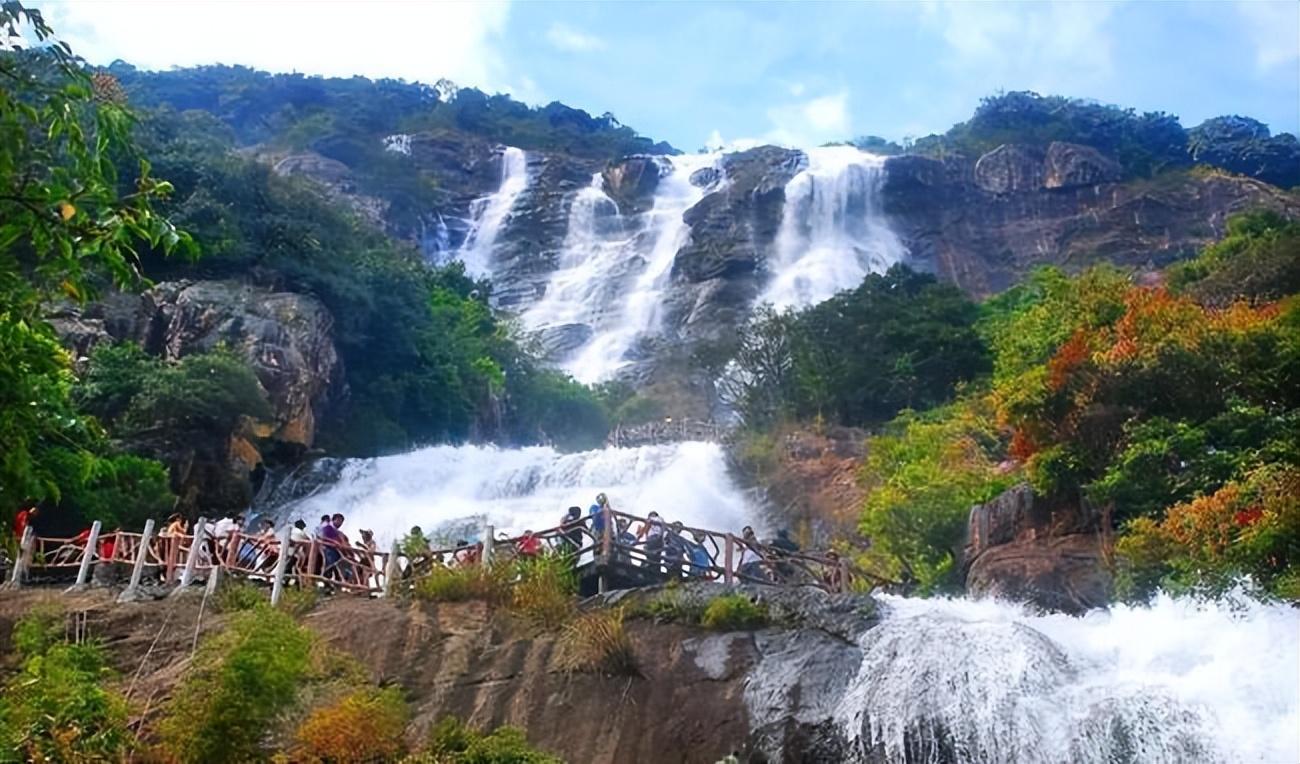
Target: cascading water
<point>613,270</point>
<point>833,232</point>
<point>527,488</point>
<point>1179,681</point>
<point>488,214</point>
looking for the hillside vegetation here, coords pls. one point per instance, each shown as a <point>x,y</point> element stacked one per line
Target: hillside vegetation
<point>1172,405</point>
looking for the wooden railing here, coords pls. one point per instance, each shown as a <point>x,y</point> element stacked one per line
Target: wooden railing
<point>618,546</point>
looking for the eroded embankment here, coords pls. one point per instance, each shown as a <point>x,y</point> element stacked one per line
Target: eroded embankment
<point>702,694</point>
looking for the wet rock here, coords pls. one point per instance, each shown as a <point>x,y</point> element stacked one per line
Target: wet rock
<point>631,182</point>
<point>1022,549</point>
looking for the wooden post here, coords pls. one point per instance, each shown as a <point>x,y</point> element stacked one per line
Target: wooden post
<point>87,558</point>
<point>197,541</point>
<point>603,557</point>
<point>727,558</point>
<point>489,540</point>
<point>173,551</point>
<point>232,549</point>
<point>141,555</point>
<point>277,583</point>
<point>392,571</point>
<point>24,561</point>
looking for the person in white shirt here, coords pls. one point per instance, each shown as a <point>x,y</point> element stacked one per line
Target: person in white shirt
<point>751,560</point>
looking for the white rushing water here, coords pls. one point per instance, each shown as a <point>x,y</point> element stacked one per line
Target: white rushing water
<point>833,232</point>
<point>1179,681</point>
<point>488,214</point>
<point>519,489</point>
<point>614,269</point>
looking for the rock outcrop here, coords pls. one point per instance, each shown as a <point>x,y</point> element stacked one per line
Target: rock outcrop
<point>287,340</point>
<point>983,224</point>
<point>1020,549</point>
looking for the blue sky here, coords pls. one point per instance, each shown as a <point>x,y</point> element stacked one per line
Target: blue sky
<point>697,73</point>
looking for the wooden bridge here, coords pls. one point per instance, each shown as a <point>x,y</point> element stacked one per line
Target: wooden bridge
<point>606,558</point>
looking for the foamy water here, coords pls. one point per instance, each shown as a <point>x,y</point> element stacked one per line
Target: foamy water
<point>986,681</point>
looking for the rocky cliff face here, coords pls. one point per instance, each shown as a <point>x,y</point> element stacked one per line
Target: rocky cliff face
<point>287,340</point>
<point>1019,549</point>
<point>983,224</point>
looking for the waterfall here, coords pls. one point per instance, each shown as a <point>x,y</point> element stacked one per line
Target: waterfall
<point>833,232</point>
<point>1179,681</point>
<point>488,214</point>
<point>609,288</point>
<point>519,489</point>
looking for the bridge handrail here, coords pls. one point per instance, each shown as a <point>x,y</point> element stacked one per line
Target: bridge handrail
<point>357,569</point>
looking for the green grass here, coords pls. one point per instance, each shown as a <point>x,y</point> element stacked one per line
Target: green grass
<point>732,612</point>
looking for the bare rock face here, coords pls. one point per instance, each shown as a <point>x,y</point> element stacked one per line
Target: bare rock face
<point>285,337</point>
<point>287,340</point>
<point>1067,165</point>
<point>1010,168</point>
<point>1019,549</point>
<point>983,225</point>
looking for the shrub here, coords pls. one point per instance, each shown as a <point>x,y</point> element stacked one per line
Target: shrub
<point>236,596</point>
<point>544,589</point>
<point>597,641</point>
<point>474,582</point>
<point>734,611</point>
<point>56,708</point>
<point>298,602</point>
<point>671,605</point>
<point>452,742</point>
<point>240,681</point>
<point>363,726</point>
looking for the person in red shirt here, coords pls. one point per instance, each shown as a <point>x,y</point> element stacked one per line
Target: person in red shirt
<point>529,545</point>
<point>24,518</point>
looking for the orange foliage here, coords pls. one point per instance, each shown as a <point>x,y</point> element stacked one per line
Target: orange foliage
<point>1155,317</point>
<point>1206,524</point>
<point>1069,357</point>
<point>1241,317</point>
<point>1022,446</point>
<point>364,726</point>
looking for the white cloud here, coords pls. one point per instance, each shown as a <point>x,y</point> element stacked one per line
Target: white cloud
<point>1051,47</point>
<point>379,38</point>
<point>1275,27</point>
<point>570,40</point>
<point>811,122</point>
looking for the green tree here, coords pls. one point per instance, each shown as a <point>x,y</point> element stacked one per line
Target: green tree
<point>66,229</point>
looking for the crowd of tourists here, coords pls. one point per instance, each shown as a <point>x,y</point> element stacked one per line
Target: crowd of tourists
<point>654,545</point>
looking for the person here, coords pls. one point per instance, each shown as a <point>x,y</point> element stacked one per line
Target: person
<point>25,517</point>
<point>464,554</point>
<point>174,531</point>
<point>529,545</point>
<point>71,550</point>
<point>299,543</point>
<point>698,554</point>
<point>783,545</point>
<point>751,560</point>
<point>674,549</point>
<point>597,513</point>
<point>624,540</point>
<point>572,526</point>
<point>652,533</point>
<point>222,532</point>
<point>266,546</point>
<point>332,542</point>
<point>366,556</point>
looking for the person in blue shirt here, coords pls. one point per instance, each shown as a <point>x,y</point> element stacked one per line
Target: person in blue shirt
<point>701,561</point>
<point>598,516</point>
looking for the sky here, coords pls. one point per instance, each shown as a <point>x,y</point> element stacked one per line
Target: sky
<point>714,73</point>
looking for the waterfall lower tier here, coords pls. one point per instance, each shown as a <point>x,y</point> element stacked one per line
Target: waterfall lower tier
<point>1179,681</point>
<point>455,487</point>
